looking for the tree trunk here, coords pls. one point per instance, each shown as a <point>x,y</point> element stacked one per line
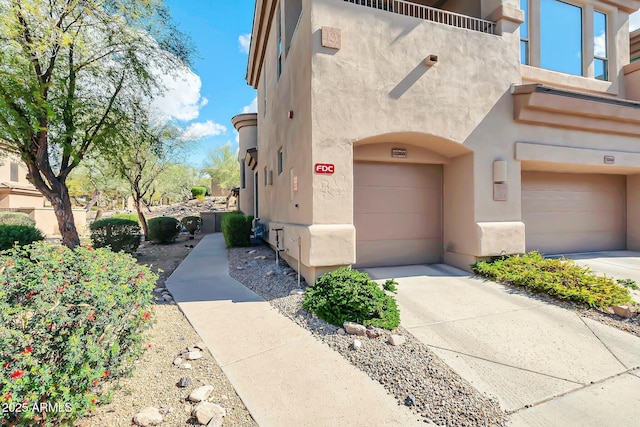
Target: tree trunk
<point>61,203</point>
<point>143,220</point>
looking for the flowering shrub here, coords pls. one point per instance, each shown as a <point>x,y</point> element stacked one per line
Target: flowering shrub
<point>69,321</point>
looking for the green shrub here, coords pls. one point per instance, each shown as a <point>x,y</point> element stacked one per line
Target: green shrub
<point>71,320</point>
<point>198,191</point>
<point>163,229</point>
<point>117,233</point>
<point>560,278</point>
<point>16,218</point>
<point>130,216</point>
<point>18,234</point>
<point>236,228</point>
<point>347,295</point>
<point>391,285</point>
<point>191,223</point>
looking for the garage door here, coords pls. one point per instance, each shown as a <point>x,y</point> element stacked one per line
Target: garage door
<point>574,212</point>
<point>397,214</point>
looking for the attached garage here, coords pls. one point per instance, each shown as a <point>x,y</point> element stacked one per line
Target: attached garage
<point>397,213</point>
<point>565,212</point>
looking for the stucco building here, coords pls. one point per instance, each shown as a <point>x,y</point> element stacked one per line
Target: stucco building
<point>398,132</point>
<point>17,194</point>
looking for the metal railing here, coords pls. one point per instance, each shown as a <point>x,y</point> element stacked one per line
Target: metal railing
<point>427,13</point>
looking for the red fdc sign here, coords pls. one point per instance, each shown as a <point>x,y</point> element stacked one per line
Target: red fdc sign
<point>325,168</point>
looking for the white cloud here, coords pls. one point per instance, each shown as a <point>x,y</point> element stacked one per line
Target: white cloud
<point>252,107</point>
<point>181,97</point>
<point>197,131</point>
<point>634,21</point>
<point>600,45</point>
<point>245,42</point>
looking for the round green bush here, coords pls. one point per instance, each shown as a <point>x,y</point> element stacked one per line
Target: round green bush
<point>347,295</point>
<point>236,228</point>
<point>16,218</point>
<point>191,223</point>
<point>163,229</point>
<point>198,191</point>
<point>19,235</point>
<point>71,320</point>
<point>117,233</point>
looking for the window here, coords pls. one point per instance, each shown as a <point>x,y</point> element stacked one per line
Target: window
<point>279,35</point>
<point>13,173</point>
<point>264,91</point>
<point>524,33</point>
<point>561,37</point>
<point>280,161</point>
<point>292,15</point>
<point>243,182</point>
<point>265,176</point>
<point>600,46</point>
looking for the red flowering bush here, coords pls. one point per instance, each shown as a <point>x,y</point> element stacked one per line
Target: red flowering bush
<point>69,321</point>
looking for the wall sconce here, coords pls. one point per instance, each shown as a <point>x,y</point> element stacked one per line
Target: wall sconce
<point>499,171</point>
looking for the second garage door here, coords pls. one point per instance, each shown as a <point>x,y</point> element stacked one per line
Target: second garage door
<point>566,213</point>
<point>397,213</point>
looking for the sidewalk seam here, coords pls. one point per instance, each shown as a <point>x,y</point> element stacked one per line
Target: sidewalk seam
<point>263,351</point>
<point>505,364</point>
<point>603,343</point>
<point>583,387</point>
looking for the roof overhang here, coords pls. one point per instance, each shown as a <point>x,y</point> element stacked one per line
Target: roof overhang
<point>547,106</point>
<point>262,21</point>
<point>251,158</point>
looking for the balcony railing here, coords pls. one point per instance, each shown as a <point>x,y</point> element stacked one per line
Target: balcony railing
<point>427,13</point>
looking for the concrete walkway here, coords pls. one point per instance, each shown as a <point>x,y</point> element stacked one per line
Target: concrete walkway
<point>544,364</point>
<point>284,376</point>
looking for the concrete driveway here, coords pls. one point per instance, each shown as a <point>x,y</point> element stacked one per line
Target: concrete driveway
<point>616,264</point>
<point>545,365</point>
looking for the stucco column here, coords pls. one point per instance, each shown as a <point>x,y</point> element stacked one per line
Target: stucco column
<point>534,33</point>
<point>247,127</point>
<point>587,42</point>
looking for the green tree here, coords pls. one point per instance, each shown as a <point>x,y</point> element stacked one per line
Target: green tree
<point>145,151</point>
<point>222,166</point>
<point>175,182</point>
<point>70,72</point>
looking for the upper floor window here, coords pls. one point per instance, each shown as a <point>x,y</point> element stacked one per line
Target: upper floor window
<point>279,35</point>
<point>600,44</point>
<point>524,33</point>
<point>280,161</point>
<point>13,172</point>
<point>561,37</point>
<point>243,183</point>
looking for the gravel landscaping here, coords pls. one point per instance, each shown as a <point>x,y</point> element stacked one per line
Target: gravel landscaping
<point>410,372</point>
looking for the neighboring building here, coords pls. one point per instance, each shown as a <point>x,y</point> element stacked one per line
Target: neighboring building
<point>449,133</point>
<point>17,194</point>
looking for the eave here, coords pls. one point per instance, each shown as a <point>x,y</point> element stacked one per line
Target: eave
<point>262,20</point>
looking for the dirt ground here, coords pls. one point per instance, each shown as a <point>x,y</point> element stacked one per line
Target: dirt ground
<point>154,380</point>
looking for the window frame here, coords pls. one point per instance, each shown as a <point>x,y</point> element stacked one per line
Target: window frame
<point>280,161</point>
<point>604,59</point>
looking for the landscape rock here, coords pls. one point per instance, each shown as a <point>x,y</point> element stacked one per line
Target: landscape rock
<point>396,340</point>
<point>297,292</point>
<point>410,400</point>
<point>201,393</point>
<point>253,251</point>
<point>193,355</point>
<point>374,332</point>
<point>205,412</point>
<point>622,311</point>
<point>356,345</point>
<point>355,329</point>
<point>200,345</point>
<point>186,366</point>
<point>184,382</point>
<point>148,417</point>
<point>270,273</point>
<point>260,257</point>
<point>177,361</point>
<point>341,332</point>
<point>165,410</point>
<point>159,290</point>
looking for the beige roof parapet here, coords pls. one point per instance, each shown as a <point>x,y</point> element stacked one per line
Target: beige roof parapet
<point>244,119</point>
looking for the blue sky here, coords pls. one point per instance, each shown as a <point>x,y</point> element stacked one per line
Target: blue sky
<point>204,100</point>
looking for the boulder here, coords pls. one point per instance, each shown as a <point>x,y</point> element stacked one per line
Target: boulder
<point>148,417</point>
<point>355,329</point>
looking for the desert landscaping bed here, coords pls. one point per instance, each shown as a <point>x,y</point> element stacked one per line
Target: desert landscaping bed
<point>410,372</point>
<point>155,378</point>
